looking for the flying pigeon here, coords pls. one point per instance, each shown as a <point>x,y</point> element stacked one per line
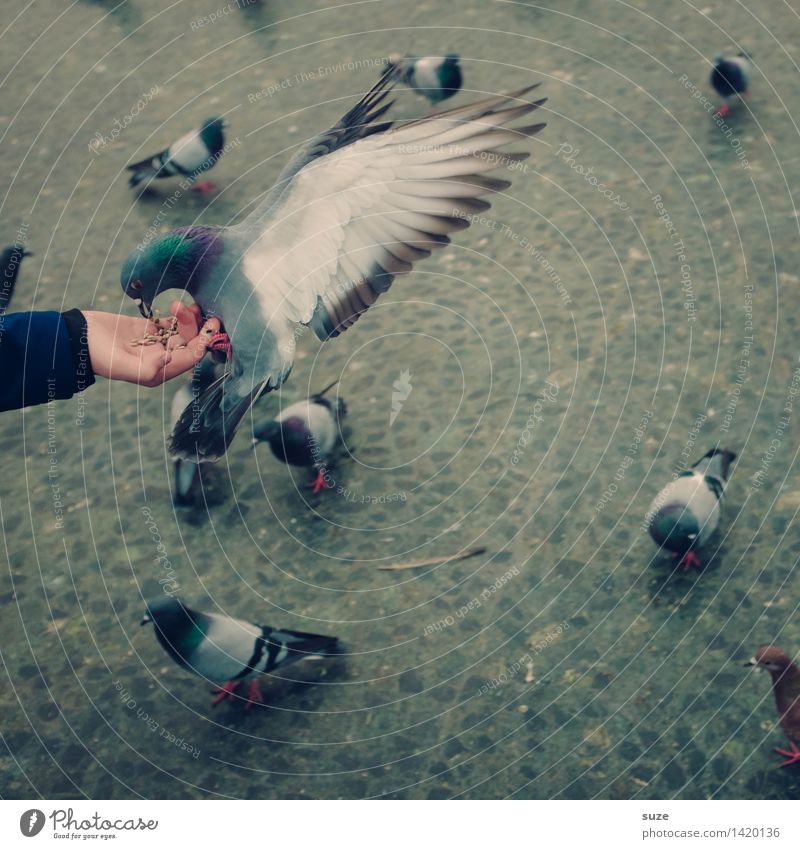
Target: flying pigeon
<point>305,433</point>
<point>686,511</point>
<point>730,77</point>
<point>228,651</point>
<point>786,688</point>
<point>434,77</point>
<point>187,474</point>
<point>357,205</point>
<point>10,261</point>
<point>190,156</point>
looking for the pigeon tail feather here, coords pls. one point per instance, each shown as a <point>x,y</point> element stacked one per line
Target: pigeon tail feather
<point>300,644</point>
<point>207,426</point>
<point>719,463</point>
<point>142,171</point>
<point>185,479</point>
<point>339,408</point>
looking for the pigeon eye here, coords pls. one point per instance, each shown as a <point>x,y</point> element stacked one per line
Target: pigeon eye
<point>136,286</point>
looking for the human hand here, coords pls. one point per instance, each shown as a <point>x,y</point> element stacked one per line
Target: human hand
<point>114,355</point>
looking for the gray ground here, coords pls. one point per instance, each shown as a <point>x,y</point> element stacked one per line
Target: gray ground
<point>638,688</point>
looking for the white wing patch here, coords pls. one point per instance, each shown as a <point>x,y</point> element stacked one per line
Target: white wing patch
<point>189,153</point>
<point>227,648</point>
<point>319,420</point>
<point>693,492</point>
<point>352,220</point>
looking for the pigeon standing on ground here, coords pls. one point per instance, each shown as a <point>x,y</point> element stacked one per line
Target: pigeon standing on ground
<point>357,205</point>
<point>190,156</point>
<point>786,689</point>
<point>10,261</point>
<point>434,77</point>
<point>305,433</point>
<point>730,77</point>
<point>187,475</point>
<point>686,511</point>
<point>228,651</point>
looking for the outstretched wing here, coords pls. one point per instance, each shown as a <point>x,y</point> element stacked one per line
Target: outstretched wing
<point>357,214</point>
<point>359,122</point>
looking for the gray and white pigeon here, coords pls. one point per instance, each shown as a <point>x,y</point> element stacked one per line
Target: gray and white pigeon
<point>10,261</point>
<point>187,475</point>
<point>730,77</point>
<point>190,156</point>
<point>305,434</point>
<point>434,77</point>
<point>686,511</point>
<point>225,651</point>
<point>357,205</point>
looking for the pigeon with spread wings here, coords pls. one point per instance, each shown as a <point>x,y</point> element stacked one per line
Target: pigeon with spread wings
<point>356,206</point>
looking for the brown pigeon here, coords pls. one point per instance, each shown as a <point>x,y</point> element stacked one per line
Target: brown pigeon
<point>786,687</point>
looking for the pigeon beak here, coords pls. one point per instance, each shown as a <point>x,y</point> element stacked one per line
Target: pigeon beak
<point>145,309</point>
<point>145,620</point>
<point>751,662</point>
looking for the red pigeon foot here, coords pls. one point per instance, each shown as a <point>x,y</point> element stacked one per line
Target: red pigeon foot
<point>723,111</point>
<point>204,188</point>
<point>226,691</point>
<point>220,342</point>
<point>319,483</point>
<point>792,754</point>
<point>689,560</point>
<point>254,696</point>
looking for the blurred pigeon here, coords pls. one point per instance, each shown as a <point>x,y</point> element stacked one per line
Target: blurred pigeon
<point>188,474</point>
<point>305,433</point>
<point>686,511</point>
<point>10,261</point>
<point>730,77</point>
<point>434,77</point>
<point>228,651</point>
<point>357,205</point>
<point>190,156</point>
<point>786,688</point>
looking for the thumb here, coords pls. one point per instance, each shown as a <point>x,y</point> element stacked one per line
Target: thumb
<point>198,346</point>
<point>182,359</point>
<point>188,319</point>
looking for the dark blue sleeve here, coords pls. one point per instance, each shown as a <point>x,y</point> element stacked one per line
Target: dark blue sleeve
<point>43,357</point>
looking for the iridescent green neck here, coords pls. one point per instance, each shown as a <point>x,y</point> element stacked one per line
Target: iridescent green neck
<point>186,255</point>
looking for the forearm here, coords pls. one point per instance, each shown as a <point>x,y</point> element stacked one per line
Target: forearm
<point>44,357</point>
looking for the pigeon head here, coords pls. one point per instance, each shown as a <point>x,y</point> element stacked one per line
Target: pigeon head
<point>673,527</point>
<point>266,432</point>
<point>450,72</point>
<point>289,440</point>
<point>179,629</point>
<point>166,613</point>
<point>177,260</point>
<point>772,658</point>
<point>211,134</point>
<point>17,251</point>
